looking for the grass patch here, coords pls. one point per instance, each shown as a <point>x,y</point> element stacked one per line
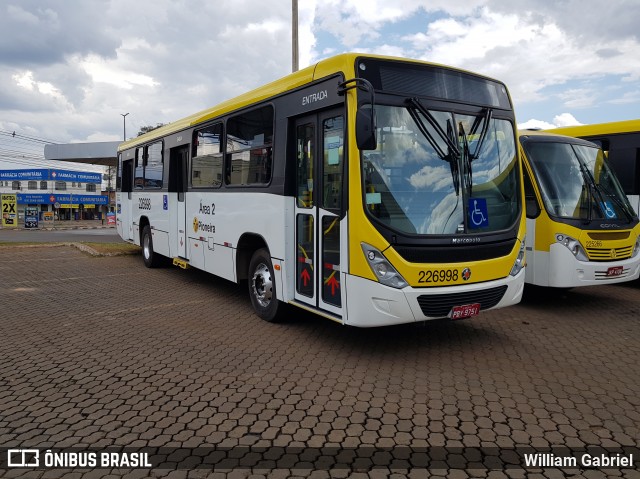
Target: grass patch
<point>102,249</point>
<point>113,248</point>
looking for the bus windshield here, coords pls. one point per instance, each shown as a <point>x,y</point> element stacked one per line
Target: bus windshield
<point>576,182</point>
<point>437,172</point>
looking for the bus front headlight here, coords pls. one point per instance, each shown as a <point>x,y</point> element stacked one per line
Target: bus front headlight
<point>519,263</point>
<point>572,245</point>
<point>384,271</point>
<point>636,247</point>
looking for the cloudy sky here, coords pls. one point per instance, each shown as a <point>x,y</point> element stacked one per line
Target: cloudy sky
<point>70,68</point>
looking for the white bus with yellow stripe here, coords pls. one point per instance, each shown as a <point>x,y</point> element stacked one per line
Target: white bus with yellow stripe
<point>370,190</point>
<point>581,229</point>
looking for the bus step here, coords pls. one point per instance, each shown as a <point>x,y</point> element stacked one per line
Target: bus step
<point>183,263</point>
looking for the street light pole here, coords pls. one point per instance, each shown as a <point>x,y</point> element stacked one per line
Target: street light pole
<point>124,126</point>
<point>294,35</point>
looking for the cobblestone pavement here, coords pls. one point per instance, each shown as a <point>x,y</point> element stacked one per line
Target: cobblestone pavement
<point>102,352</point>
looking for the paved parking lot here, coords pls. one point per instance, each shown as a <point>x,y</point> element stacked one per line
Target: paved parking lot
<point>102,352</point>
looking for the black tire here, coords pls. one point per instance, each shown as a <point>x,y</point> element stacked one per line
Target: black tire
<point>262,287</point>
<point>150,257</point>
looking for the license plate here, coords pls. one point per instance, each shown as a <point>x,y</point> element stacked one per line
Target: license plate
<point>615,271</point>
<point>465,311</point>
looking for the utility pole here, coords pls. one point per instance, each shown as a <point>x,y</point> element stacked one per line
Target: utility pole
<point>294,34</point>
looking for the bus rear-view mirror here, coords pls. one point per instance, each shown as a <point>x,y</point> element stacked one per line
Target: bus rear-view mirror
<point>366,129</point>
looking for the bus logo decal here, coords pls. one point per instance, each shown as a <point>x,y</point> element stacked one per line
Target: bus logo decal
<point>195,224</point>
<point>466,274</point>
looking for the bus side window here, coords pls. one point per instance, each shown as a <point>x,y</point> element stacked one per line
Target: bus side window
<point>531,202</point>
<point>250,147</point>
<point>138,179</point>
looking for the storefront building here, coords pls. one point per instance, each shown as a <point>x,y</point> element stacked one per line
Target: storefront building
<point>57,193</point>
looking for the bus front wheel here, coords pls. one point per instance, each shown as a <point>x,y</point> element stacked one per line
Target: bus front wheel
<point>262,286</point>
<point>151,258</point>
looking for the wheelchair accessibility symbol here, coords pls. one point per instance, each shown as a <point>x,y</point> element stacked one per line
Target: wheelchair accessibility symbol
<point>478,214</point>
<point>609,212</point>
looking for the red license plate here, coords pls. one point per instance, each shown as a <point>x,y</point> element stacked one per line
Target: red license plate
<point>465,311</point>
<point>615,271</point>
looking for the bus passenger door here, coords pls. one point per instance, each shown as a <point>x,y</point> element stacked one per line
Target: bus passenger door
<point>178,168</point>
<point>319,193</point>
<point>124,206</point>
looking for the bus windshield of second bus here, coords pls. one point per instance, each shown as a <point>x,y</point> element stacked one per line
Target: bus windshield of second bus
<point>577,183</point>
<point>581,229</point>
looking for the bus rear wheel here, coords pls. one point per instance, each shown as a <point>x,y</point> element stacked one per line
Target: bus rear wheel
<point>150,257</point>
<point>262,287</point>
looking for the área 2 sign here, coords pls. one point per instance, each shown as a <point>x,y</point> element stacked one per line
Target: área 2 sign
<point>9,211</point>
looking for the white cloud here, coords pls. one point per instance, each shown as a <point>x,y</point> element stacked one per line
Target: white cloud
<point>109,71</point>
<point>25,80</point>
<point>626,98</point>
<point>20,15</point>
<point>72,68</point>
<point>534,124</point>
<point>578,97</point>
<point>564,119</point>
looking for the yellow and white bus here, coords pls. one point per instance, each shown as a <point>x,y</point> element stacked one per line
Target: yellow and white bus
<point>370,190</point>
<point>581,229</point>
<point>620,140</point>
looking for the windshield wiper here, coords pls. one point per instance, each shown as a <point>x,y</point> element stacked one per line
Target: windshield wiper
<point>467,156</point>
<point>588,182</point>
<point>616,200</point>
<point>483,133</point>
<point>467,174</point>
<point>599,189</point>
<point>434,123</point>
<point>453,154</point>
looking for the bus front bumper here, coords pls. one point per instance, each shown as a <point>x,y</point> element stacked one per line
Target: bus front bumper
<point>565,271</point>
<point>372,304</point>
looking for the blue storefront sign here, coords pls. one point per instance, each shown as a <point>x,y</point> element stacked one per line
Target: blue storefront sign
<point>13,175</point>
<point>51,199</point>
<point>49,174</point>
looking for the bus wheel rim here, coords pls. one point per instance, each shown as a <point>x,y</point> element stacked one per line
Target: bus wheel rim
<point>145,247</point>
<point>262,285</point>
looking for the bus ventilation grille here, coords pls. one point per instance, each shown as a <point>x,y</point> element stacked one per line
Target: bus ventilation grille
<point>439,305</point>
<point>608,254</point>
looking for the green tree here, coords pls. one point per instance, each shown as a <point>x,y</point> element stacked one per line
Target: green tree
<point>147,129</point>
